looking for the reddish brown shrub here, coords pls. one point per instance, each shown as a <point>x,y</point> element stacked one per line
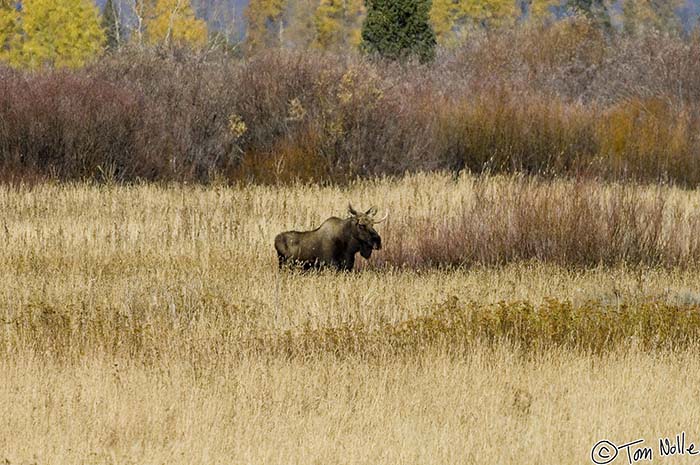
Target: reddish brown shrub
<point>551,100</point>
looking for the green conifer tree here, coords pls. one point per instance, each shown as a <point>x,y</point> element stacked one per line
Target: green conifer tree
<point>397,29</point>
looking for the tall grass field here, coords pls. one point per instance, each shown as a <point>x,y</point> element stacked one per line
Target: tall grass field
<point>508,319</point>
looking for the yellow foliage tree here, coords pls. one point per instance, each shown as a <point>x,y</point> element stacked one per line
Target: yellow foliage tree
<point>452,18</point>
<point>172,22</point>
<point>62,33</point>
<point>541,10</point>
<point>265,23</point>
<point>299,17</point>
<point>338,24</point>
<point>645,15</point>
<point>9,27</point>
<point>447,18</point>
<point>491,13</point>
<point>325,24</point>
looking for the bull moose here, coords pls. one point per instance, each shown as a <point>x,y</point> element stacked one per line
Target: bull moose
<point>333,244</point>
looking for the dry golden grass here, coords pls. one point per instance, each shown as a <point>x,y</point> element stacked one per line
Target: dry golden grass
<point>488,407</point>
<point>131,321</point>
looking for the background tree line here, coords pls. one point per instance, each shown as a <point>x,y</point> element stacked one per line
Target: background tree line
<point>532,87</point>
<point>61,33</point>
<point>68,33</point>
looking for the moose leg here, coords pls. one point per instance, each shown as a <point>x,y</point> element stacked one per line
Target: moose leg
<point>338,265</point>
<point>282,260</point>
<point>346,265</point>
<point>307,266</point>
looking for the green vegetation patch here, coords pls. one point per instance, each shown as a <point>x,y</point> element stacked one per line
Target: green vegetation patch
<point>456,326</point>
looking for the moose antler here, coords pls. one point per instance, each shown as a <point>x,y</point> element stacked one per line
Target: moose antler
<point>383,219</point>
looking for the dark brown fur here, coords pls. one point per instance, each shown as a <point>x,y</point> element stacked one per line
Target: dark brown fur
<point>333,244</point>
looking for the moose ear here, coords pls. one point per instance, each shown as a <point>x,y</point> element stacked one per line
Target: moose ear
<point>371,212</point>
<point>351,210</point>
